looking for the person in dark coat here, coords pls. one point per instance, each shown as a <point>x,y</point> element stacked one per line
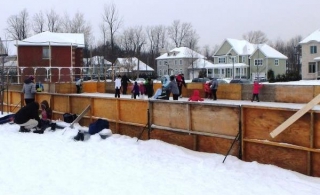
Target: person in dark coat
<point>124,83</point>
<point>135,90</point>
<point>149,87</point>
<point>29,90</point>
<point>28,117</point>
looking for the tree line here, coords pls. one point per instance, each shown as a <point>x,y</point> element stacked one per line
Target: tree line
<point>142,42</point>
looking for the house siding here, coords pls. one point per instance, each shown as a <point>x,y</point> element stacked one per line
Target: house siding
<point>31,56</point>
<point>308,57</point>
<point>223,50</point>
<point>260,69</point>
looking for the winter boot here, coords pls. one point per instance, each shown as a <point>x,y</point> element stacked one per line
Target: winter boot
<point>40,131</point>
<point>24,130</point>
<point>53,126</point>
<point>79,136</point>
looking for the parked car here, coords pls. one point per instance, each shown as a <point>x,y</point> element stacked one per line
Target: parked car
<point>200,80</point>
<point>241,81</point>
<point>223,80</point>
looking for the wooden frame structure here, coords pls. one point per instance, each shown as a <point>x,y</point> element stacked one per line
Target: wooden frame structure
<point>205,127</point>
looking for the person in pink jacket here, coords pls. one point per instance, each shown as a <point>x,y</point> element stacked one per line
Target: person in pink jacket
<point>255,91</point>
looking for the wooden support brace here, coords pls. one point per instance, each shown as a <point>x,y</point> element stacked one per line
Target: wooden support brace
<point>80,116</point>
<point>295,117</point>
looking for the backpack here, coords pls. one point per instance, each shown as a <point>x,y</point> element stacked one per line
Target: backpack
<point>69,118</point>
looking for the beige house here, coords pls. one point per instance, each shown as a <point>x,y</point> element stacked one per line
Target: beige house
<point>310,65</point>
<point>241,59</point>
<point>179,60</point>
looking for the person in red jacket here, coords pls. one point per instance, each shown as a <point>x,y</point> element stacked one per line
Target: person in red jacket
<point>207,90</point>
<point>255,91</point>
<point>195,96</point>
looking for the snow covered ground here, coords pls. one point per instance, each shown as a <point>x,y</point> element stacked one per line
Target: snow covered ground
<point>53,164</point>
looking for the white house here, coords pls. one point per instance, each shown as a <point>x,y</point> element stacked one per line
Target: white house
<point>131,66</point>
<point>178,60</point>
<point>310,64</point>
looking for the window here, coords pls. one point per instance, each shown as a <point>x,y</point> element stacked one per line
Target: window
<point>160,62</point>
<point>258,62</point>
<point>180,62</point>
<point>276,62</point>
<point>160,72</point>
<point>243,59</point>
<point>45,53</point>
<point>222,60</point>
<point>181,71</point>
<point>175,62</point>
<point>312,67</point>
<point>313,49</point>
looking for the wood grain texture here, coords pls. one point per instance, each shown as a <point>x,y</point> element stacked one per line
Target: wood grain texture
<point>259,122</point>
<point>293,93</point>
<point>315,167</point>
<point>180,139</point>
<point>286,158</point>
<point>215,119</point>
<point>217,145</point>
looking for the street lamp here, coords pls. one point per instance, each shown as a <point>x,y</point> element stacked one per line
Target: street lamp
<point>232,64</point>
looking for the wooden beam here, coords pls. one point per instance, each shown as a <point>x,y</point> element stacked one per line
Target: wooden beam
<point>282,145</point>
<point>295,117</point>
<point>80,116</point>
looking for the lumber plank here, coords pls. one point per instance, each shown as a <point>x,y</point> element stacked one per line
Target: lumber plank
<point>80,116</point>
<point>295,117</point>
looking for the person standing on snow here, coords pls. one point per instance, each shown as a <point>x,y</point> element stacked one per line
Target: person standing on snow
<point>117,86</point>
<point>255,91</point>
<point>78,85</point>
<point>29,90</point>
<point>124,83</point>
<point>214,88</point>
<point>173,88</point>
<point>180,81</point>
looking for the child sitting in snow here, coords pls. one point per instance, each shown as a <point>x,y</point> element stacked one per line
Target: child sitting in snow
<point>46,116</point>
<point>195,96</point>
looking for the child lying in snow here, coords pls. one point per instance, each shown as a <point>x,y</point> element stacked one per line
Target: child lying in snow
<point>195,96</point>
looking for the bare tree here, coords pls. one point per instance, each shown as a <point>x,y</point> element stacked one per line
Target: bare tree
<point>113,21</point>
<point>39,21</point>
<point>53,20</point>
<point>178,32</point>
<point>192,40</point>
<point>18,25</point>
<point>256,37</point>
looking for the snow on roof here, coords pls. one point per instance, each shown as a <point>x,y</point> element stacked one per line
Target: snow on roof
<point>270,52</point>
<point>11,63</point>
<point>317,59</point>
<point>315,36</point>
<point>242,47</point>
<point>54,39</point>
<point>134,62</point>
<point>200,63</point>
<point>180,52</point>
<point>97,60</point>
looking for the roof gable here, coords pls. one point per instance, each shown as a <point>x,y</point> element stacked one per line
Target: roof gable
<point>180,52</point>
<point>315,36</point>
<point>134,62</point>
<point>269,52</point>
<point>54,39</point>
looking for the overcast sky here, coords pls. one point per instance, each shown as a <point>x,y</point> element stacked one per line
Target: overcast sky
<point>214,20</point>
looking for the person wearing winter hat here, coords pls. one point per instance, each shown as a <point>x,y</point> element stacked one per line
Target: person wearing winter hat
<point>29,90</point>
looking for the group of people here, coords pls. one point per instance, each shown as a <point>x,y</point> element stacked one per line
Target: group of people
<point>28,116</point>
<point>141,89</point>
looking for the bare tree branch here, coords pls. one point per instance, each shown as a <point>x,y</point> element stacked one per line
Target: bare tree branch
<point>256,37</point>
<point>38,22</point>
<point>18,26</point>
